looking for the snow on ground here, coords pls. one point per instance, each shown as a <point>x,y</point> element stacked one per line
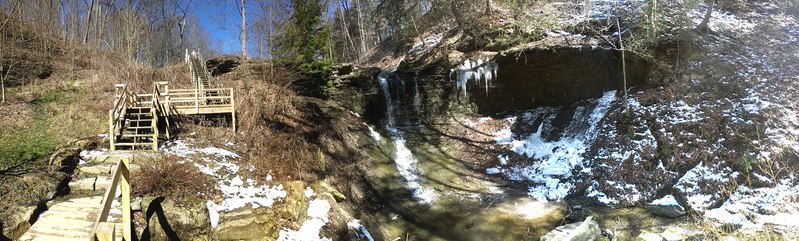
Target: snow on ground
<point>754,208</point>
<point>236,191</point>
<point>723,20</point>
<point>668,200</point>
<point>88,155</point>
<point>696,179</point>
<point>361,231</point>
<point>553,161</point>
<point>317,218</point>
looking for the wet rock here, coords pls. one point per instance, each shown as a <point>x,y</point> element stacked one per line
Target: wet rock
<point>168,220</point>
<point>669,211</point>
<point>356,89</point>
<point>586,230</point>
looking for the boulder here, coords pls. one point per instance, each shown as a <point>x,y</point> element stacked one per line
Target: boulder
<point>582,231</point>
<point>168,220</point>
<point>247,223</point>
<point>17,223</point>
<point>295,203</point>
<point>669,211</point>
<point>66,158</point>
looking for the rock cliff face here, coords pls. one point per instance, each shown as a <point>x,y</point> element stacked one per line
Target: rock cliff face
<point>556,77</point>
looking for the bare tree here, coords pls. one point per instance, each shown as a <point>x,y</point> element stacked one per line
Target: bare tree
<point>243,29</point>
<point>703,28</point>
<point>3,76</point>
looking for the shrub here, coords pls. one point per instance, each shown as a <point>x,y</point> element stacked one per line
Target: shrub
<point>171,177</point>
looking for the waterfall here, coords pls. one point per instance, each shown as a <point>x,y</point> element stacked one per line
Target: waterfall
<point>407,164</point>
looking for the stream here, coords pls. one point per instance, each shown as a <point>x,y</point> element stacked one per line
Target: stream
<point>431,192</point>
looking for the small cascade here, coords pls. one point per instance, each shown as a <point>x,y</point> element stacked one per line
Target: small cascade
<point>480,71</point>
<point>407,164</point>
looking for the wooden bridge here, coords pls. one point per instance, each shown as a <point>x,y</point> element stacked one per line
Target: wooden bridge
<point>136,124</point>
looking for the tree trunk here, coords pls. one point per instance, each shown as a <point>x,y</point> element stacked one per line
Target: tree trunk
<point>623,67</point>
<point>360,28</point>
<point>413,20</point>
<point>457,15</point>
<point>88,22</point>
<point>347,31</point>
<point>703,28</point>
<point>243,29</point>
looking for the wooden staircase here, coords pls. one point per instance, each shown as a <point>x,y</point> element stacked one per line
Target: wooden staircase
<point>138,130</point>
<point>137,121</point>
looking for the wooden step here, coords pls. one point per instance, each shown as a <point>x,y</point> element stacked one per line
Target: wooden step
<point>139,127</point>
<point>136,135</point>
<point>134,144</point>
<point>139,120</point>
<point>136,113</point>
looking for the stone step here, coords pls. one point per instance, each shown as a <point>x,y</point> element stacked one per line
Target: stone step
<point>97,169</point>
<point>90,183</point>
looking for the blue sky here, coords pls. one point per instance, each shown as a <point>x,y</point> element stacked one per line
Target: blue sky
<point>222,22</point>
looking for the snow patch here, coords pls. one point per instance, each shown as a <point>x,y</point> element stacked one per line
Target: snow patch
<point>667,200</point>
<point>554,160</point>
<point>317,218</point>
<point>237,192</point>
<point>87,155</point>
<point>361,231</point>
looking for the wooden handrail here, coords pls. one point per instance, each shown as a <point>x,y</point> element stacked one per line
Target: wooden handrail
<point>125,99</point>
<point>121,177</point>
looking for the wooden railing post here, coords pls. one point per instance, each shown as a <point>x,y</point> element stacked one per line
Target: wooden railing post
<point>106,231</point>
<point>154,125</point>
<point>233,108</point>
<point>167,114</point>
<point>197,101</point>
<point>127,233</point>
<point>111,130</point>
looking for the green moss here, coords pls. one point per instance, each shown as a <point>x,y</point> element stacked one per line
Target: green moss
<point>24,145</point>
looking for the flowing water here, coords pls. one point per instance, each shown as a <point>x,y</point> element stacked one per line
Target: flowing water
<point>428,193</point>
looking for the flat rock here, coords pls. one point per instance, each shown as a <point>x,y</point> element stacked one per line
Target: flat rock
<point>90,183</point>
<point>103,169</point>
<point>586,230</point>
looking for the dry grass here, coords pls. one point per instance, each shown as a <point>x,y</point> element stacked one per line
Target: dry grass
<point>171,177</point>
<point>270,123</point>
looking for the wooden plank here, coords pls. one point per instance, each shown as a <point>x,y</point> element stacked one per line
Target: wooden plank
<point>106,231</point>
<point>108,198</point>
<point>126,215</point>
